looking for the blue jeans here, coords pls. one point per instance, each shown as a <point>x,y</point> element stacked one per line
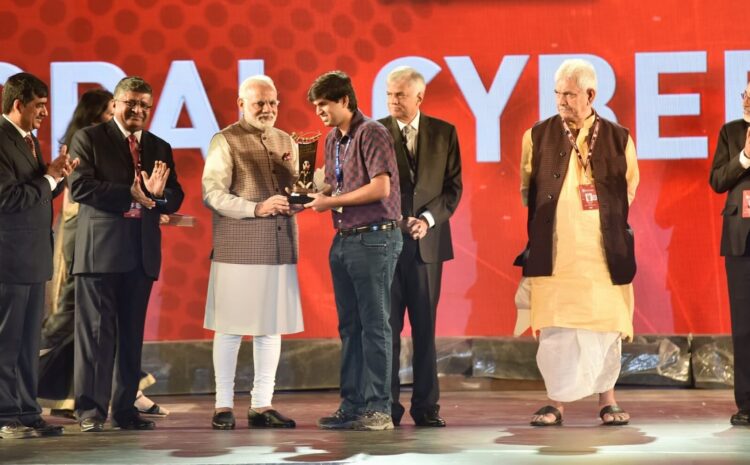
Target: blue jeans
<point>362,267</point>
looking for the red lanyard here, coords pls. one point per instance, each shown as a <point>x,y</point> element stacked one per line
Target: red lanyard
<point>595,135</point>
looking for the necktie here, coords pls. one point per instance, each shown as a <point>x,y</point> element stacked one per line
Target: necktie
<point>410,141</point>
<point>30,143</point>
<point>135,152</point>
<point>410,136</point>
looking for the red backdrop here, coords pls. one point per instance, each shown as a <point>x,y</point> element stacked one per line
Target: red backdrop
<point>680,285</point>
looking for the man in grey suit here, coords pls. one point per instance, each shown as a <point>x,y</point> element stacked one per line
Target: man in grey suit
<point>117,253</point>
<point>730,172</point>
<point>429,165</point>
<point>27,187</point>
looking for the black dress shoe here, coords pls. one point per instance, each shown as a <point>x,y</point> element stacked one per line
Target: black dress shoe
<point>430,418</point>
<point>223,420</point>
<point>741,418</point>
<point>15,430</point>
<point>42,428</point>
<point>268,419</point>
<point>92,425</point>
<point>136,422</point>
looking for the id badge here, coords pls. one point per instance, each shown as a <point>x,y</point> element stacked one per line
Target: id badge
<point>337,209</point>
<point>135,210</point>
<point>589,200</point>
<point>746,204</point>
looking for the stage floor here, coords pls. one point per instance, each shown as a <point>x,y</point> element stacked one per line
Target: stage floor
<point>669,426</point>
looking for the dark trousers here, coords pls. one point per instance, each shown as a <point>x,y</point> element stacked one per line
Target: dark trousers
<point>21,309</point>
<point>362,267</point>
<point>738,280</point>
<point>110,316</point>
<point>416,289</point>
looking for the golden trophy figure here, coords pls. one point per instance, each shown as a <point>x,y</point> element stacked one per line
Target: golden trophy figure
<point>308,147</point>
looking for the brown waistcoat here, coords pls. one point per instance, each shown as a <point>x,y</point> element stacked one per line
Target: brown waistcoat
<point>550,158</point>
<point>262,167</point>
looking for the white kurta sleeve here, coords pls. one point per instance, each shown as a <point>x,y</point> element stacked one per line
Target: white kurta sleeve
<point>217,179</point>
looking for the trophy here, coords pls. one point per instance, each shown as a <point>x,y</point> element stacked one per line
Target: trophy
<point>308,146</point>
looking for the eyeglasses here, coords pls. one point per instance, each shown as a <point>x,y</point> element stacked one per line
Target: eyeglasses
<point>260,104</point>
<point>133,104</point>
<point>745,95</point>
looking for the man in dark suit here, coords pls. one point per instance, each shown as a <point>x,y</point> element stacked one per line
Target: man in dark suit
<point>429,165</point>
<point>730,172</point>
<point>27,188</point>
<point>118,252</point>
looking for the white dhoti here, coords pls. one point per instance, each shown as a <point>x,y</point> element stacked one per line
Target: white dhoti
<point>253,299</point>
<point>576,363</point>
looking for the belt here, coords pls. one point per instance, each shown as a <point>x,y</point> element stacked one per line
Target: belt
<point>386,226</point>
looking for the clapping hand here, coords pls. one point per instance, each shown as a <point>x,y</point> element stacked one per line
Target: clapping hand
<point>156,182</point>
<point>139,196</point>
<point>62,166</point>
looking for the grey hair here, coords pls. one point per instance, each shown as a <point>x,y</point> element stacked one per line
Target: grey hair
<point>407,72</point>
<point>132,84</point>
<point>581,71</point>
<point>252,80</point>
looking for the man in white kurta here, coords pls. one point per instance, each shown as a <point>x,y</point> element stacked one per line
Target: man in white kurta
<point>253,287</point>
<point>581,309</point>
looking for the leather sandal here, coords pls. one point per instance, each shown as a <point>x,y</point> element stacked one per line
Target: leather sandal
<point>612,410</point>
<point>549,409</point>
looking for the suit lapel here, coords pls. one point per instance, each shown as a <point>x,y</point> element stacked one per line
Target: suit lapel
<point>424,146</point>
<point>24,152</point>
<point>119,141</point>
<point>741,136</point>
<point>399,146</point>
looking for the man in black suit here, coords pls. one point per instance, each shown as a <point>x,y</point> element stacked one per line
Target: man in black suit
<point>117,253</point>
<point>27,188</point>
<point>429,165</point>
<point>730,172</point>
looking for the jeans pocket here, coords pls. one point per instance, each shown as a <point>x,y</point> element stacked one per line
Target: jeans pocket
<point>374,240</point>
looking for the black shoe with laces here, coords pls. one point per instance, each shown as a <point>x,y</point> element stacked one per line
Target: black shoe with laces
<point>43,429</point>
<point>338,420</point>
<point>92,425</point>
<point>15,430</point>
<point>136,422</point>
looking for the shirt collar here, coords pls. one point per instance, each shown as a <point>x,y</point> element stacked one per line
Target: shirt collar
<point>413,123</point>
<point>357,119</point>
<point>21,131</point>
<point>127,133</point>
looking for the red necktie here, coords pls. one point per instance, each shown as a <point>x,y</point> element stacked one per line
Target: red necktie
<point>135,152</point>
<point>30,143</point>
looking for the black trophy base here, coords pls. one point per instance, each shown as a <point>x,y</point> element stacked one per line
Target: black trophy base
<point>295,198</point>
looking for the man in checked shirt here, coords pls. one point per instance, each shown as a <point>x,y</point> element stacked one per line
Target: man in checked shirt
<point>364,198</point>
